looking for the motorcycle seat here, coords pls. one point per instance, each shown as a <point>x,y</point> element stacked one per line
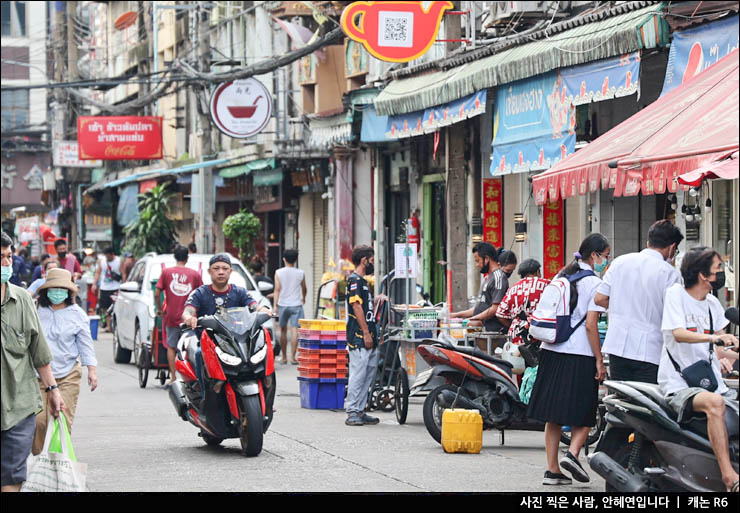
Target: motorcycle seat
<point>473,351</point>
<point>654,393</point>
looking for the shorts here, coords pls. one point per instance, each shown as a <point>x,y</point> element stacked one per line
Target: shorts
<point>105,299</point>
<point>681,402</point>
<point>15,446</point>
<point>290,314</point>
<point>173,336</point>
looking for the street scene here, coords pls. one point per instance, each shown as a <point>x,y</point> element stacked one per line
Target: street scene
<point>372,247</point>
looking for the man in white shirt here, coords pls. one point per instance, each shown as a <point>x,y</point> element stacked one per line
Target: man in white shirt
<point>290,296</point>
<point>693,321</point>
<point>633,290</point>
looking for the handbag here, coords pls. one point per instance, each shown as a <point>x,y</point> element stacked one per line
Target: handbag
<point>56,471</point>
<point>701,373</point>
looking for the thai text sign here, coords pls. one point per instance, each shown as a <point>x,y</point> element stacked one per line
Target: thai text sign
<point>119,137</point>
<point>493,212</point>
<point>553,238</point>
<point>534,125</point>
<point>66,154</point>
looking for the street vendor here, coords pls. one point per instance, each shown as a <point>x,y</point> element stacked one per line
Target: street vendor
<point>493,290</point>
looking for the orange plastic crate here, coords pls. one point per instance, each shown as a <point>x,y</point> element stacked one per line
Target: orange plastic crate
<point>307,372</point>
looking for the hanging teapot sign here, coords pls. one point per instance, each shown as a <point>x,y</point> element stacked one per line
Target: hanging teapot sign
<point>241,108</point>
<point>394,31</point>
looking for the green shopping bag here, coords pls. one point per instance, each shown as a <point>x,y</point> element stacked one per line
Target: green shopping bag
<point>56,443</point>
<point>528,379</point>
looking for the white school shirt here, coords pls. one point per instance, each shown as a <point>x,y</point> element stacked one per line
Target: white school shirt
<point>578,341</point>
<point>636,284</point>
<point>681,310</point>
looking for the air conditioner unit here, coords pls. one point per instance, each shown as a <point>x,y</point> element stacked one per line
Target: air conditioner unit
<point>506,10</point>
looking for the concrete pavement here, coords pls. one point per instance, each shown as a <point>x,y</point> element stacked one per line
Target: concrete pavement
<point>132,440</point>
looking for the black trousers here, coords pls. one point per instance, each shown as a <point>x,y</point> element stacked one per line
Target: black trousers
<point>624,369</point>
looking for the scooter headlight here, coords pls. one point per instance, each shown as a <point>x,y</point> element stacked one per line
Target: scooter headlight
<point>228,359</point>
<point>261,348</point>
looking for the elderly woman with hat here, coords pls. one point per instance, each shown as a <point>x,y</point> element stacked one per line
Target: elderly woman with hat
<point>67,331</point>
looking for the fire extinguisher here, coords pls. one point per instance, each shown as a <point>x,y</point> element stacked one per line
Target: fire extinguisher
<point>414,230</point>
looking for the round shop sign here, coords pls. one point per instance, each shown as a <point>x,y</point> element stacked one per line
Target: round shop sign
<point>241,108</point>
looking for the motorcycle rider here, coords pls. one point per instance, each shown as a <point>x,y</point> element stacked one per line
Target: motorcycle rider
<point>207,299</point>
<point>692,316</point>
<point>633,340</point>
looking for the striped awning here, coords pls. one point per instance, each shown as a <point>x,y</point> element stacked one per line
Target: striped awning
<point>616,35</point>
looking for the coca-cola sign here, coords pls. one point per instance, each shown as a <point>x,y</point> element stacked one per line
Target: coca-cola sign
<point>119,137</point>
<point>241,108</point>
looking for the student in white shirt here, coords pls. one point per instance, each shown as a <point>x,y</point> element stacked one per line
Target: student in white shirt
<point>633,290</point>
<point>693,320</point>
<point>566,391</point>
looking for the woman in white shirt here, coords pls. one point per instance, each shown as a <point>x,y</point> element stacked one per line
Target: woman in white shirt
<point>566,391</point>
<point>693,320</point>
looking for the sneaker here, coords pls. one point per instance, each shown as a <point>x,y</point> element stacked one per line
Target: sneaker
<point>367,419</point>
<point>572,465</point>
<point>552,478</point>
<point>354,420</point>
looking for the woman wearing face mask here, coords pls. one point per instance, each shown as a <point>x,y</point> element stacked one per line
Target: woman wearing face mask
<point>566,391</point>
<point>67,331</point>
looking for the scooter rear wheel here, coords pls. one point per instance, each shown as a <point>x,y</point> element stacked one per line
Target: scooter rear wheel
<point>433,409</point>
<point>251,420</point>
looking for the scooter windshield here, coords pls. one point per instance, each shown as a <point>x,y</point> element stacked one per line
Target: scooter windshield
<point>238,320</point>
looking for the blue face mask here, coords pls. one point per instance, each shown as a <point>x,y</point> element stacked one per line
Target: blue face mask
<point>7,272</point>
<point>600,267</point>
<point>57,296</point>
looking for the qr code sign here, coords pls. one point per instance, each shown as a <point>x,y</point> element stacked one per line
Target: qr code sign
<point>396,29</point>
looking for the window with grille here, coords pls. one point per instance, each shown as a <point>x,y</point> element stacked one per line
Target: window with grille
<point>14,19</point>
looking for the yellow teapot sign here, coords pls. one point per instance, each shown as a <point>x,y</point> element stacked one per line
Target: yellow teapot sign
<point>394,31</point>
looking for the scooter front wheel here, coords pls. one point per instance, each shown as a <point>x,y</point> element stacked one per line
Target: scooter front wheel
<point>251,420</point>
<point>434,406</point>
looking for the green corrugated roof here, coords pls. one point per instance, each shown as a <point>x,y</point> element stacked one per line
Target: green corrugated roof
<point>643,28</point>
<point>245,169</point>
<point>270,177</point>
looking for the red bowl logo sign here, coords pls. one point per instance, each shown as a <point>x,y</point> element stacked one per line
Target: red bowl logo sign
<point>241,108</point>
<point>394,31</point>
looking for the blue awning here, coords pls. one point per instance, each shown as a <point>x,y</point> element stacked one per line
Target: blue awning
<point>156,173</point>
<point>373,126</point>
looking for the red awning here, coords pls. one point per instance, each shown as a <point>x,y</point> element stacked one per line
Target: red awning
<point>728,169</point>
<point>693,125</point>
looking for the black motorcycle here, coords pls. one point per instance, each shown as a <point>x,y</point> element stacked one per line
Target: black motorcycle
<point>645,449</point>
<point>238,377</point>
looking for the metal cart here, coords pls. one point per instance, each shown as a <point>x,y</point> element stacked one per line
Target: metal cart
<point>154,355</point>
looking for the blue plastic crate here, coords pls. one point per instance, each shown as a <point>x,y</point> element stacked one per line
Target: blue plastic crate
<point>309,344</point>
<point>322,393</point>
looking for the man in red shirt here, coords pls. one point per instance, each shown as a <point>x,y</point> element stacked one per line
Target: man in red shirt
<point>177,283</point>
<point>67,260</point>
<point>522,297</point>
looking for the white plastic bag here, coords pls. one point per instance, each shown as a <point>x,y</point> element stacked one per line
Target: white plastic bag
<point>56,471</point>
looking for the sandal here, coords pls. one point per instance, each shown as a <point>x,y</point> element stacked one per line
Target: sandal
<point>735,486</point>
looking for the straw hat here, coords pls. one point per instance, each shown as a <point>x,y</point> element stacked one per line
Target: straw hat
<point>59,279</point>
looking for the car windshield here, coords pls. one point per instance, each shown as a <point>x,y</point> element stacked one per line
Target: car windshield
<point>238,320</point>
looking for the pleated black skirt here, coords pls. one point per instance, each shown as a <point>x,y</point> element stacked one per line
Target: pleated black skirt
<point>566,391</point>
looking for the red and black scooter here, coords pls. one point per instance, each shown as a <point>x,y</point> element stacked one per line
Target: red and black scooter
<point>238,375</point>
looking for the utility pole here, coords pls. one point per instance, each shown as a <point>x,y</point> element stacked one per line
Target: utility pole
<point>203,134</point>
<point>457,271</point>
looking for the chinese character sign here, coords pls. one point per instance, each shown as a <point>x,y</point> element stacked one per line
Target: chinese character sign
<point>553,238</point>
<point>493,212</point>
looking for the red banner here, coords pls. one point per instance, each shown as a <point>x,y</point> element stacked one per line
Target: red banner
<point>553,238</point>
<point>120,137</point>
<point>493,211</point>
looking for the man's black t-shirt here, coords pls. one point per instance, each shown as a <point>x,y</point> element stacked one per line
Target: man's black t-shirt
<point>494,291</point>
<point>358,291</point>
<point>206,301</point>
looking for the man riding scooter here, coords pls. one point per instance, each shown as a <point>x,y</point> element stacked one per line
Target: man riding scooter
<point>689,373</point>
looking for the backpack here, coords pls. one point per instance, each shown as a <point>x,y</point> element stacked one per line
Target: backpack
<point>551,320</point>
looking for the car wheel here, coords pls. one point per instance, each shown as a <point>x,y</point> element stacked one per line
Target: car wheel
<point>120,355</point>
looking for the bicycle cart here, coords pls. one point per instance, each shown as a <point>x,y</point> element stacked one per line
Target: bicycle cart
<point>152,355</point>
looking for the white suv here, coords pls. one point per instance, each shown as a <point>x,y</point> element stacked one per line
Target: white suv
<point>134,311</point>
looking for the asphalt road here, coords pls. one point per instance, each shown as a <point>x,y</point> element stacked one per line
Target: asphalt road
<point>133,441</point>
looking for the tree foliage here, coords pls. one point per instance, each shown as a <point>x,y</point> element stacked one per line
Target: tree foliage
<point>242,229</point>
<point>153,230</point>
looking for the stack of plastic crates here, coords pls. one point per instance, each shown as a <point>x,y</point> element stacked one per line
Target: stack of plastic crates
<point>322,363</point>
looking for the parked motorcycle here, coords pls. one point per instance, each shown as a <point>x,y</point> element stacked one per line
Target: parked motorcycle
<point>238,375</point>
<point>645,449</point>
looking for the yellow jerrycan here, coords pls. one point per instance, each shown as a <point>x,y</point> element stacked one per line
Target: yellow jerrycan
<point>462,431</point>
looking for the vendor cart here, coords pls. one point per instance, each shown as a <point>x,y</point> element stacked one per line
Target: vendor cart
<point>152,355</point>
